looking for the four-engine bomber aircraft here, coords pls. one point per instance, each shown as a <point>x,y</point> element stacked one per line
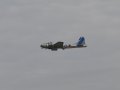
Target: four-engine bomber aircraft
<point>60,45</point>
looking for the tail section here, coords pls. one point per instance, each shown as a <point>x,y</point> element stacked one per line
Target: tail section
<point>81,41</point>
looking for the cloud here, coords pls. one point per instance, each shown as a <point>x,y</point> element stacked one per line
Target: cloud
<point>25,24</point>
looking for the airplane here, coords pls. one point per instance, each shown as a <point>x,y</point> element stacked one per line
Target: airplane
<point>60,45</point>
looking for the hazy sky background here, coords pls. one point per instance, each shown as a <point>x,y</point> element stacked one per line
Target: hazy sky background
<point>25,24</point>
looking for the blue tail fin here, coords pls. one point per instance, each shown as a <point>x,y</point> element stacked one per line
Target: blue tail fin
<point>81,41</point>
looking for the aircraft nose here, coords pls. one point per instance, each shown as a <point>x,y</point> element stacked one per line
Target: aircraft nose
<point>41,46</point>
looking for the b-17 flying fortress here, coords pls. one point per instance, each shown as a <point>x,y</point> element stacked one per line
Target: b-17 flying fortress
<point>60,45</point>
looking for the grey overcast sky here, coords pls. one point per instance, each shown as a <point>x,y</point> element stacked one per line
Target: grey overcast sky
<point>25,24</point>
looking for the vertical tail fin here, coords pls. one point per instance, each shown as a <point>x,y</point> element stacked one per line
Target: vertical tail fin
<point>81,41</point>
